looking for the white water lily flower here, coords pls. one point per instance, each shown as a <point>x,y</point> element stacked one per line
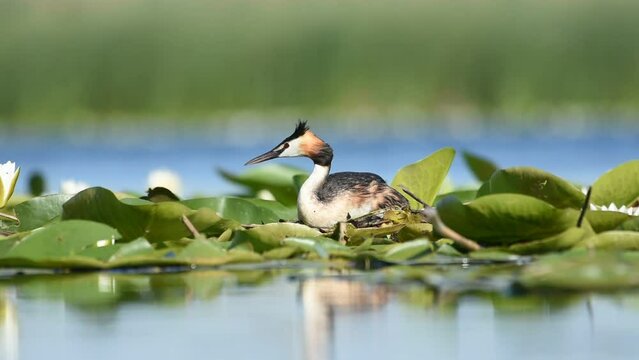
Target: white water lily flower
<point>167,179</point>
<point>72,186</point>
<point>632,211</point>
<point>8,179</point>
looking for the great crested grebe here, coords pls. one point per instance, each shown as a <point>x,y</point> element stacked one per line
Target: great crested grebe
<point>324,199</point>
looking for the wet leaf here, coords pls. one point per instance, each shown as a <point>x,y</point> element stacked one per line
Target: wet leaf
<point>276,178</point>
<point>536,183</point>
<point>504,219</point>
<point>245,210</point>
<point>619,185</point>
<point>481,167</point>
<point>40,211</point>
<point>425,177</point>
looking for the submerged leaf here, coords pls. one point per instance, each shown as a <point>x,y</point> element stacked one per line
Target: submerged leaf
<point>536,183</point>
<point>425,177</point>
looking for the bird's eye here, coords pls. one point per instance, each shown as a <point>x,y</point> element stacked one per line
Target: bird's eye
<point>285,146</point>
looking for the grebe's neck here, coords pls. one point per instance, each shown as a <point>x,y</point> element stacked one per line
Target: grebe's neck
<point>316,180</point>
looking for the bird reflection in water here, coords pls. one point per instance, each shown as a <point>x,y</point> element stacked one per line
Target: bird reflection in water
<point>322,298</point>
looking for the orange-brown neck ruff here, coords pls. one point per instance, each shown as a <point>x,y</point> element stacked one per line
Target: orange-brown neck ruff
<point>316,149</point>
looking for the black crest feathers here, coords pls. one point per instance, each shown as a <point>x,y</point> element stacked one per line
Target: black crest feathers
<point>300,129</point>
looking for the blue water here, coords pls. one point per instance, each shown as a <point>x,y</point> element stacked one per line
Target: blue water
<point>121,160</point>
<point>214,315</point>
<point>226,315</point>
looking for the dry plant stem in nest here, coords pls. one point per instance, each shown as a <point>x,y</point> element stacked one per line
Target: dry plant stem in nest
<point>190,226</point>
<point>431,216</point>
<point>9,217</point>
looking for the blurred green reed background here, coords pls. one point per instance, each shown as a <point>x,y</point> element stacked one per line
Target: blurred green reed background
<point>193,59</point>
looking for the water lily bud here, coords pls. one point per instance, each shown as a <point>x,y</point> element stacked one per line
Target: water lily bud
<point>8,179</point>
<point>167,179</point>
<point>72,186</point>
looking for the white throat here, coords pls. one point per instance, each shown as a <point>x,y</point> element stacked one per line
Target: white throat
<point>314,182</point>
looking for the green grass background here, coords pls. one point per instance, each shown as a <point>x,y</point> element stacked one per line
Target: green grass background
<point>100,60</point>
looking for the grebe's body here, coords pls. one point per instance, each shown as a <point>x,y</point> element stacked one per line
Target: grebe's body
<point>326,199</point>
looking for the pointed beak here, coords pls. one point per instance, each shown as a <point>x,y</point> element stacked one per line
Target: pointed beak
<point>266,156</point>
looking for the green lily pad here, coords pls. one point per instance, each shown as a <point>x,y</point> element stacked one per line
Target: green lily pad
<point>61,240</point>
<point>266,237</point>
<point>504,219</point>
<point>39,211</point>
<point>583,270</point>
<point>630,224</point>
<point>606,220</point>
<point>155,221</point>
<point>405,251</point>
<point>276,178</point>
<point>481,167</point>
<point>201,249</point>
<point>562,241</point>
<point>245,210</point>
<point>612,240</point>
<point>461,195</point>
<point>536,183</point>
<point>323,247</point>
<point>425,177</point>
<point>619,185</point>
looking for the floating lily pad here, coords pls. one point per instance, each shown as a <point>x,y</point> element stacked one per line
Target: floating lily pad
<point>619,185</point>
<point>504,219</point>
<point>154,221</point>
<point>562,241</point>
<point>323,247</point>
<point>245,210</point>
<point>583,270</point>
<point>481,167</point>
<point>461,195</point>
<point>612,240</point>
<point>606,220</point>
<point>536,183</point>
<point>425,177</point>
<point>406,251</point>
<point>266,237</point>
<point>59,241</point>
<point>39,211</point>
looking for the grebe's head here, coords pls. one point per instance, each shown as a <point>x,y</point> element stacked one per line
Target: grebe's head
<point>301,143</point>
